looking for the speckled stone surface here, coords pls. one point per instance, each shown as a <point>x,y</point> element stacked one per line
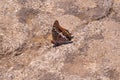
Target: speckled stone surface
<point>26,51</point>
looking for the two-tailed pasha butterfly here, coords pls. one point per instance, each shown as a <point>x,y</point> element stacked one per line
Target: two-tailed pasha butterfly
<point>60,35</point>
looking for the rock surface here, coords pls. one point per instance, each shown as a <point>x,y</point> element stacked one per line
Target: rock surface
<point>26,52</point>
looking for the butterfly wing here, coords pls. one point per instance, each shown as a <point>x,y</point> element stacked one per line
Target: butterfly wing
<point>55,30</point>
<point>66,33</point>
<point>60,35</point>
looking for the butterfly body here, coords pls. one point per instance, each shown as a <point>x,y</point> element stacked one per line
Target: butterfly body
<point>60,35</point>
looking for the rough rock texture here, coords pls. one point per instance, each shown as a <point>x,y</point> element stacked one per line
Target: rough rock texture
<point>26,52</point>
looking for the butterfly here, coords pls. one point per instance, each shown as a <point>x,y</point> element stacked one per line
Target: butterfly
<point>60,35</point>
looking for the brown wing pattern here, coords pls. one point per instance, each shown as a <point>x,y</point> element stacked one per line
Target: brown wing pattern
<point>60,35</point>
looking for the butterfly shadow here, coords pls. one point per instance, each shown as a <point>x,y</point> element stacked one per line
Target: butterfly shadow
<point>57,45</point>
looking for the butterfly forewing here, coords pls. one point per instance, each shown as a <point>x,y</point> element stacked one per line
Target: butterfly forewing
<point>54,34</point>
